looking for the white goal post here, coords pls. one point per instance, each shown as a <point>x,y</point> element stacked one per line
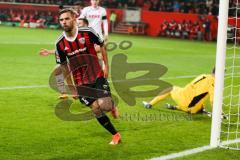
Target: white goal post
<point>225,132</point>
<point>219,72</point>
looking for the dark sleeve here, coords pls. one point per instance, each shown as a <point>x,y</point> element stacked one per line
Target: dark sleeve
<point>95,38</point>
<point>104,17</point>
<point>60,55</point>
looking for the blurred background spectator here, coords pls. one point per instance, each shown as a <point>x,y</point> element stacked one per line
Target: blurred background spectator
<point>196,30</point>
<point>207,7</point>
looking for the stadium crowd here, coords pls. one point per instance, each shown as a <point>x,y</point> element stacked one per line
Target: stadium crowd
<point>209,7</point>
<point>38,18</point>
<point>204,7</point>
<point>199,30</point>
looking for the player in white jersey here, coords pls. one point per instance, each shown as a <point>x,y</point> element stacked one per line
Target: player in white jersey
<point>96,16</point>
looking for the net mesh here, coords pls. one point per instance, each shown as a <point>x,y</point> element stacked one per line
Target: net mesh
<point>230,129</point>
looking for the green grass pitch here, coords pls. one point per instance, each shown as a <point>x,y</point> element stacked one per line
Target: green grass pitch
<point>30,130</point>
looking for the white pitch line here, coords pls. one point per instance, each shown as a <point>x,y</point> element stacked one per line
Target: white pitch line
<point>183,153</point>
<point>25,43</point>
<point>45,86</point>
<point>180,77</point>
<point>134,45</point>
<point>23,87</point>
<point>193,151</point>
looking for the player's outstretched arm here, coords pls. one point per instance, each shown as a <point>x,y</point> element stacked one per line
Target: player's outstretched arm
<point>46,52</point>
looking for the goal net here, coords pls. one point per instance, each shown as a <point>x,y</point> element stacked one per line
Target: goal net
<point>226,130</point>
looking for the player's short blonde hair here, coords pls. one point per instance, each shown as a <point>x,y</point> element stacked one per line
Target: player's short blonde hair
<point>67,10</point>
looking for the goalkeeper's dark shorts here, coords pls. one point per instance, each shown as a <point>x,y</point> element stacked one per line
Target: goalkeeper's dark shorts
<point>89,93</point>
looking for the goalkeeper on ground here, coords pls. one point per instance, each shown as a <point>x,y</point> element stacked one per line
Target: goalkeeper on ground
<point>192,97</point>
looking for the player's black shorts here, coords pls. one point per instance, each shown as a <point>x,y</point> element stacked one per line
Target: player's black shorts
<point>90,92</point>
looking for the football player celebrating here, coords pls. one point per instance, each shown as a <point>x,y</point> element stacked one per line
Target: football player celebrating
<point>75,52</point>
<point>96,16</point>
<point>59,76</point>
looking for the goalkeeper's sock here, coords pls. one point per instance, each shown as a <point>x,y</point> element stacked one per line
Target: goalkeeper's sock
<point>169,106</point>
<point>147,105</point>
<point>106,123</point>
<point>60,83</point>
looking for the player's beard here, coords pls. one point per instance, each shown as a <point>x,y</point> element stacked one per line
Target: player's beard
<point>68,28</point>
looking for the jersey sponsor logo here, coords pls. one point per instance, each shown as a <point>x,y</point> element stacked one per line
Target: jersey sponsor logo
<point>66,48</point>
<point>94,16</point>
<point>77,51</point>
<point>82,40</point>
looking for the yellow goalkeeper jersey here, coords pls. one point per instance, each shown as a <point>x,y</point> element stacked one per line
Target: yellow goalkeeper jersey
<point>197,91</point>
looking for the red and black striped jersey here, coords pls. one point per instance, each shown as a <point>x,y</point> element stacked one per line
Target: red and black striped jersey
<point>79,53</point>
